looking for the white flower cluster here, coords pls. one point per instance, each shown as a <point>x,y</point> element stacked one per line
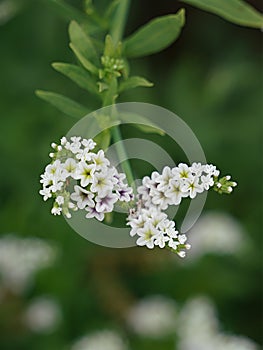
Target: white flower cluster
<point>155,229</point>
<point>158,192</point>
<point>198,328</point>
<point>97,185</point>
<point>154,317</point>
<point>100,340</point>
<point>216,233</point>
<point>21,258</point>
<point>195,326</point>
<point>42,315</point>
<point>169,187</point>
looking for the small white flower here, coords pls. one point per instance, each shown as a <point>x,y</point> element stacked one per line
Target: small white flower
<point>63,141</point>
<point>101,183</point>
<point>82,197</point>
<point>181,253</point>
<point>173,244</point>
<point>164,179</point>
<point>207,181</point>
<point>160,199</point>
<point>69,167</point>
<point>46,179</point>
<point>192,187</point>
<point>54,169</point>
<point>184,171</point>
<point>93,213</point>
<point>56,210</point>
<point>147,235</point>
<point>174,192</point>
<point>84,155</point>
<point>60,200</point>
<point>57,186</point>
<point>100,160</point>
<point>161,240</point>
<point>89,144</point>
<point>182,239</point>
<point>156,217</point>
<point>75,144</point>
<point>46,193</point>
<point>197,169</point>
<point>211,169</point>
<point>136,223</point>
<point>168,227</point>
<point>106,203</point>
<point>85,173</point>
<point>125,193</point>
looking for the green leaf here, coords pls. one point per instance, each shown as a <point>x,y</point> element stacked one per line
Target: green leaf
<point>134,82</point>
<point>77,74</point>
<point>141,123</point>
<point>109,48</point>
<point>155,35</point>
<point>236,11</point>
<point>63,103</point>
<point>84,61</point>
<point>71,13</point>
<point>82,42</point>
<point>118,20</point>
<point>111,9</point>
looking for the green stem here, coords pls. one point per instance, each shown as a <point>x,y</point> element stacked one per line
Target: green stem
<point>116,32</point>
<point>126,167</point>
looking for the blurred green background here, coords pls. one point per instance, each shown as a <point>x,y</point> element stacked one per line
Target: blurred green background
<point>211,77</point>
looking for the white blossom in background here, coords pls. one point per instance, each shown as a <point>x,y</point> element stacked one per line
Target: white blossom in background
<point>42,315</point>
<point>198,329</point>
<point>21,258</point>
<point>9,9</point>
<point>154,317</point>
<point>100,340</point>
<point>79,178</point>
<point>216,233</point>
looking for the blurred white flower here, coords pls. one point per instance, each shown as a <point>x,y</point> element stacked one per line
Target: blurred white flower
<point>153,317</point>
<point>102,340</point>
<point>9,9</point>
<point>198,329</point>
<point>21,258</point>
<point>42,315</point>
<point>216,233</point>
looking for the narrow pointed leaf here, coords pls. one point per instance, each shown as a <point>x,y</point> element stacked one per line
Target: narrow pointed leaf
<point>109,48</point>
<point>118,20</point>
<point>84,61</point>
<point>142,123</point>
<point>155,35</point>
<point>236,11</point>
<point>111,9</point>
<point>63,103</point>
<point>77,74</point>
<point>134,82</point>
<point>82,42</point>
